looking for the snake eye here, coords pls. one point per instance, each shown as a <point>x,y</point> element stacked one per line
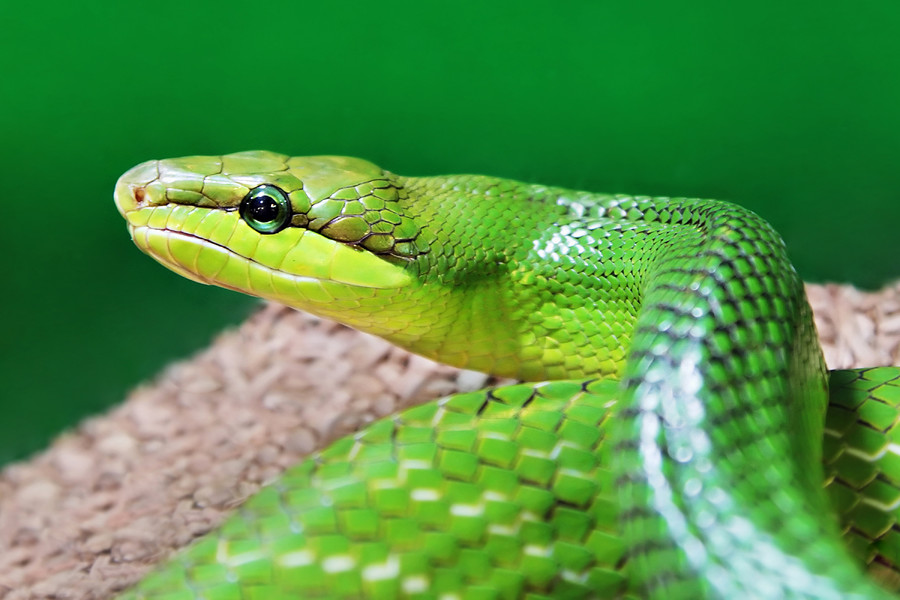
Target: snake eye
<point>266,208</point>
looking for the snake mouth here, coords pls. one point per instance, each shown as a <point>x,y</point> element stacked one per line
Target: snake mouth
<point>194,257</point>
<point>216,247</point>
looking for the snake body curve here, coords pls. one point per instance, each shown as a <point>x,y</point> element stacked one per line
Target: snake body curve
<point>674,448</point>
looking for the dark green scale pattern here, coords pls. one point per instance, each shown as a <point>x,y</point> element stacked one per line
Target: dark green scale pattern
<point>368,215</point>
<point>862,466</point>
<point>699,475</point>
<point>725,320</point>
<point>504,494</point>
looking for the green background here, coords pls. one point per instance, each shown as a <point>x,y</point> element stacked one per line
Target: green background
<point>792,109</point>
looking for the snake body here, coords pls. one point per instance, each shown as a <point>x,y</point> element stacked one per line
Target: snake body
<point>673,449</point>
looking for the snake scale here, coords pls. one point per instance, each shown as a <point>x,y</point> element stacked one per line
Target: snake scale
<point>675,446</point>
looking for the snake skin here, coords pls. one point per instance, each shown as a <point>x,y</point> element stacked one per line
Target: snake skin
<point>676,450</point>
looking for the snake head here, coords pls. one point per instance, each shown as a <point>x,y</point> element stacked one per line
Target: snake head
<point>318,233</point>
<point>429,263</point>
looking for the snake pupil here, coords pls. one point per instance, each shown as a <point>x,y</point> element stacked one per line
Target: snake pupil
<point>266,209</point>
<point>263,209</point>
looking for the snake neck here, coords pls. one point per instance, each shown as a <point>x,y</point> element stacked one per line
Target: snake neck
<point>529,281</point>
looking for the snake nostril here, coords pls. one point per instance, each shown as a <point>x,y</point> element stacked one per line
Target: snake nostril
<point>139,195</point>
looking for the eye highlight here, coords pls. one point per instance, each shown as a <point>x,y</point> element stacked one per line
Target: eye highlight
<point>266,208</point>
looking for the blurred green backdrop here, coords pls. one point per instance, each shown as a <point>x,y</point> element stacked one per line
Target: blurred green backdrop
<point>792,109</point>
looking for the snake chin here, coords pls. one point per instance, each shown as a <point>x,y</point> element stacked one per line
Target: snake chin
<point>156,244</point>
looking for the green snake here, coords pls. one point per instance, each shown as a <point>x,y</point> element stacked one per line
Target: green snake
<point>675,447</point>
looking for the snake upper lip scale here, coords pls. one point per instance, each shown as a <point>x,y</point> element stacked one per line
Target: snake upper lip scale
<point>672,448</point>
